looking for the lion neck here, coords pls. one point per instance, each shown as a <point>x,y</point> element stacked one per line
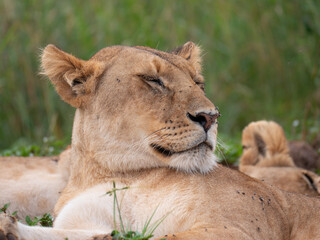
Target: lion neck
<point>100,155</point>
<point>87,171</point>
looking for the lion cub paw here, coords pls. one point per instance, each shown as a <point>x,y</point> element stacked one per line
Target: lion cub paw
<point>8,227</point>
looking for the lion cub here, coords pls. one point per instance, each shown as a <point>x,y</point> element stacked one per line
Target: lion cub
<point>266,157</point>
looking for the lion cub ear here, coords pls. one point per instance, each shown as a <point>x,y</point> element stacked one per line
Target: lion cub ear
<point>74,79</point>
<point>190,52</point>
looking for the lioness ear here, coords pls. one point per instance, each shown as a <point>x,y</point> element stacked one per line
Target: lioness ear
<point>190,52</point>
<point>73,78</point>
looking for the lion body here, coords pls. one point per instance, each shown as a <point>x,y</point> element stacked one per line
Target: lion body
<point>181,198</point>
<point>37,181</point>
<point>143,122</point>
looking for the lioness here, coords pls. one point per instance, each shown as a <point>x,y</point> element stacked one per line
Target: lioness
<point>143,121</point>
<point>266,156</point>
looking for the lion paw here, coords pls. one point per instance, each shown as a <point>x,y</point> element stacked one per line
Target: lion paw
<point>100,237</point>
<point>8,227</point>
<point>168,237</point>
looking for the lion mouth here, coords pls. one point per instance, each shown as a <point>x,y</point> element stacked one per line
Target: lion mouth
<point>168,153</point>
<point>162,150</point>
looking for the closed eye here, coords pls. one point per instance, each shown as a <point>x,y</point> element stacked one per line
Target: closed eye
<point>201,85</point>
<point>152,79</point>
<point>199,81</point>
<point>157,81</point>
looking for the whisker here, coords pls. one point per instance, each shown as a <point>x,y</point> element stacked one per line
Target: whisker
<point>156,131</point>
<point>220,148</point>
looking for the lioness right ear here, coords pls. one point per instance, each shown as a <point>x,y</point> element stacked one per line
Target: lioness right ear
<point>74,79</point>
<point>191,52</point>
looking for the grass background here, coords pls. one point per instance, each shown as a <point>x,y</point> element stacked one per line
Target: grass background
<point>261,59</point>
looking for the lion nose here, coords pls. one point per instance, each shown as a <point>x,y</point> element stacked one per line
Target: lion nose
<point>205,119</point>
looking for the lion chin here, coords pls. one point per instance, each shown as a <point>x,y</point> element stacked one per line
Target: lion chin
<point>198,159</point>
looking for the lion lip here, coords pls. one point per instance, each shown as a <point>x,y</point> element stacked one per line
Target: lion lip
<point>209,145</point>
<point>169,153</point>
<point>162,150</point>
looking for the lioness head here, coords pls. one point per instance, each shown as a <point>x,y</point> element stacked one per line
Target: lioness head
<point>137,107</point>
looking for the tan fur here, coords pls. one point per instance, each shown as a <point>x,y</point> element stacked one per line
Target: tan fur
<point>66,69</point>
<point>37,181</point>
<point>276,148</point>
<point>124,130</point>
<point>272,162</point>
<point>64,164</point>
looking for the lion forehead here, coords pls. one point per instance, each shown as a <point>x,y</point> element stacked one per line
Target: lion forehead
<point>140,54</point>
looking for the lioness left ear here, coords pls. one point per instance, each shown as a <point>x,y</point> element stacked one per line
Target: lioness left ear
<point>190,52</point>
<point>74,79</point>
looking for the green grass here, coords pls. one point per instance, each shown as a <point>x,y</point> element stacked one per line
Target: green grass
<point>5,208</point>
<point>45,221</point>
<point>261,58</point>
<point>48,147</point>
<point>228,150</point>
